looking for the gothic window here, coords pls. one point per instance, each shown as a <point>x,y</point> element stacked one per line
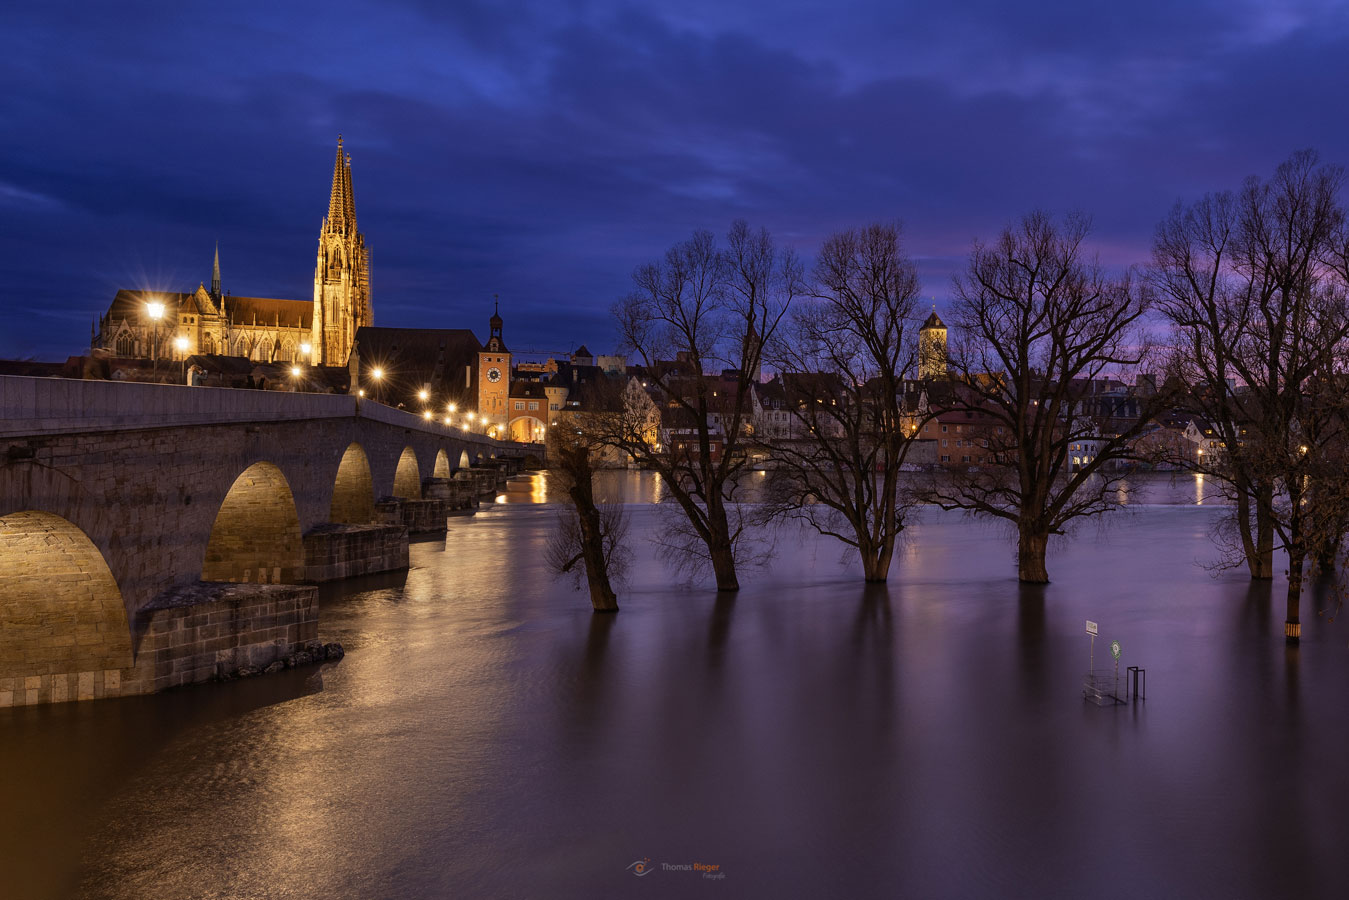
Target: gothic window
<point>263,351</point>
<point>287,352</point>
<point>126,345</point>
<point>241,346</point>
<point>208,345</point>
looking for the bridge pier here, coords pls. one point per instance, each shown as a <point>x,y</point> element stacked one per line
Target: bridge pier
<point>335,551</point>
<point>212,630</point>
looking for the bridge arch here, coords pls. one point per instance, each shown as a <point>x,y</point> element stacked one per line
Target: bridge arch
<point>527,429</point>
<point>464,461</point>
<point>256,536</point>
<point>407,478</point>
<point>442,468</point>
<point>353,490</point>
<point>62,611</point>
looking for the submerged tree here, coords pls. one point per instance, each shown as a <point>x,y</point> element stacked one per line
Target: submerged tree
<point>843,358</point>
<point>1038,324</point>
<point>589,535</point>
<point>1255,284</point>
<point>697,321</point>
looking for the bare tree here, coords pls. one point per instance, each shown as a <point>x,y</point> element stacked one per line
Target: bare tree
<point>844,357</point>
<point>698,320</point>
<point>1037,325</point>
<point>1199,290</point>
<point>1255,285</point>
<point>588,534</point>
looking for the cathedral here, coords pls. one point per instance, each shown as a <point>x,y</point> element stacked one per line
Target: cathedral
<point>208,321</point>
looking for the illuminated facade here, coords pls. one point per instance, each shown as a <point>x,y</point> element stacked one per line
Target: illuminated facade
<point>263,329</point>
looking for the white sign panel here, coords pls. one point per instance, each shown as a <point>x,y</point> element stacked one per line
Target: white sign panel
<point>1091,627</point>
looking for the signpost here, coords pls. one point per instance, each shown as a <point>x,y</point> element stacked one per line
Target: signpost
<point>1114,651</point>
<point>1091,654</point>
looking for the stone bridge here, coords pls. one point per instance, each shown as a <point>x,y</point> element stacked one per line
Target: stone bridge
<point>153,535</point>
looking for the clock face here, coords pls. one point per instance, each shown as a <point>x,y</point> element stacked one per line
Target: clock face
<point>494,374</point>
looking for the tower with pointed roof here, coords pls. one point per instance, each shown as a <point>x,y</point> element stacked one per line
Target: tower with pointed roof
<point>494,375</point>
<point>341,274</point>
<point>932,359</point>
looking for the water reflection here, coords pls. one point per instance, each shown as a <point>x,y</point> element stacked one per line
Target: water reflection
<point>487,736</point>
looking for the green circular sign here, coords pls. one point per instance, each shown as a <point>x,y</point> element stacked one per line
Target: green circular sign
<point>1114,649</point>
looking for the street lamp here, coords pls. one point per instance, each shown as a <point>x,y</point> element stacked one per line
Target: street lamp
<point>180,342</point>
<point>449,407</point>
<point>422,394</point>
<point>306,349</point>
<point>156,311</point>
<point>427,415</point>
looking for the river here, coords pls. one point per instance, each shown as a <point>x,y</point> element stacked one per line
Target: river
<point>487,736</point>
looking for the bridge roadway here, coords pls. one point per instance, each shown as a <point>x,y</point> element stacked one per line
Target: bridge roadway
<point>153,535</point>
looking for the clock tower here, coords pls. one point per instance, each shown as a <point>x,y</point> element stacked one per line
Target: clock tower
<point>494,377</point>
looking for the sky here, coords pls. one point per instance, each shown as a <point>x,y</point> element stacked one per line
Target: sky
<point>542,150</point>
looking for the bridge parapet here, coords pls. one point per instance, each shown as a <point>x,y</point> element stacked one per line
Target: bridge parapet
<point>38,406</point>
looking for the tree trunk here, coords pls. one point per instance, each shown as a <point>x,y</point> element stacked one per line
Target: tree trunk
<point>582,492</point>
<point>1292,626</point>
<point>876,560</point>
<point>723,566</point>
<point>602,596</point>
<point>1264,536</point>
<point>1030,556</point>
<point>719,549</point>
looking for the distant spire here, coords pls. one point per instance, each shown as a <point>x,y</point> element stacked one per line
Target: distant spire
<point>215,272</point>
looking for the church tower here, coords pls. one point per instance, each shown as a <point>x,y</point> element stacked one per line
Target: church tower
<point>932,359</point>
<point>494,377</point>
<point>341,275</point>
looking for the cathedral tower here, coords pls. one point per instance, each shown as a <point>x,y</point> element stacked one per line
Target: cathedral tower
<point>341,275</point>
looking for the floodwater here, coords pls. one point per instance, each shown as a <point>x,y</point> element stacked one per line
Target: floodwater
<point>487,736</point>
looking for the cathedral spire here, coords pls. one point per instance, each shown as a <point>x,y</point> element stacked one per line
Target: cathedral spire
<point>340,201</point>
<point>215,272</point>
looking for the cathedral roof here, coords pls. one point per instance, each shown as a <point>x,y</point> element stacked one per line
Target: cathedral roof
<point>241,310</point>
<point>270,311</point>
<point>131,304</point>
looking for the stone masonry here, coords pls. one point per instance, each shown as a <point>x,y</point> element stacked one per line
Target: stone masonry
<point>117,501</point>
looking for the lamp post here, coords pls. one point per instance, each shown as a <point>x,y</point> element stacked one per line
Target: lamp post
<point>156,312</point>
<point>180,343</point>
<point>377,373</point>
<point>306,350</point>
<point>295,378</point>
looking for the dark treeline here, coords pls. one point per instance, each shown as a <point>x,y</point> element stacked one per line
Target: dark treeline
<point>1045,390</point>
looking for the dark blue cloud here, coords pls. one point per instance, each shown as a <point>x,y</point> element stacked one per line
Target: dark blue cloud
<point>541,150</point>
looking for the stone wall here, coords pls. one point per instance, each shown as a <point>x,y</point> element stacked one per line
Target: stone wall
<point>460,494</point>
<point>212,630</point>
<point>209,630</point>
<point>417,516</point>
<point>344,551</point>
